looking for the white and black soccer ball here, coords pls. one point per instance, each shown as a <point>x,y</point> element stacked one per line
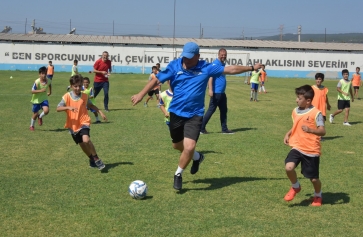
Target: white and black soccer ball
<point>138,189</point>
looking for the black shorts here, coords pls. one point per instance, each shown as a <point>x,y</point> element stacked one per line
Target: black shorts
<point>152,92</point>
<point>342,104</point>
<point>324,117</point>
<point>309,165</point>
<point>181,127</point>
<point>356,87</point>
<point>77,138</point>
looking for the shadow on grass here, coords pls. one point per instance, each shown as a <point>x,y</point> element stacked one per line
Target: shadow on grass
<point>56,130</point>
<point>328,199</point>
<point>102,122</point>
<point>113,165</point>
<point>355,122</point>
<point>217,183</point>
<point>121,109</point>
<point>242,129</point>
<point>210,152</point>
<point>146,198</point>
<point>331,138</point>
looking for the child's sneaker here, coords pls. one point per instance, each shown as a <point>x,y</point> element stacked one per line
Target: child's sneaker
<point>331,118</point>
<point>92,164</point>
<point>317,201</point>
<point>31,128</point>
<point>347,124</point>
<point>100,164</point>
<point>291,193</point>
<point>40,121</point>
<point>145,104</point>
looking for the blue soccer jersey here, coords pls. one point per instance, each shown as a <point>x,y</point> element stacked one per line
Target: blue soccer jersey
<point>219,83</point>
<point>189,86</point>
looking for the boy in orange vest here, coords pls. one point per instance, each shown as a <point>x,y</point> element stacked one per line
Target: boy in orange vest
<point>304,140</point>
<point>75,104</point>
<point>320,100</point>
<point>356,82</point>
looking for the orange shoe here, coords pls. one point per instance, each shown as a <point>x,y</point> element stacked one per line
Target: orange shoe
<point>291,193</point>
<point>317,201</point>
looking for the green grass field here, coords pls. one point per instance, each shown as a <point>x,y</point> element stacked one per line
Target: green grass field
<point>47,188</point>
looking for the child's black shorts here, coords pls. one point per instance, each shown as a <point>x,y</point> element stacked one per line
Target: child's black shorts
<point>77,138</point>
<point>309,165</point>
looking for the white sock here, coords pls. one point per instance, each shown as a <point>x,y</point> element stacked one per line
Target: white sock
<point>260,89</point>
<point>263,88</point>
<point>41,115</point>
<point>296,185</point>
<point>317,194</point>
<point>179,171</point>
<point>256,95</point>
<point>196,155</point>
<point>252,94</point>
<point>97,119</point>
<point>32,122</point>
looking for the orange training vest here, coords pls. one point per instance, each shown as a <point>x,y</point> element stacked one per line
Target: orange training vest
<point>319,100</point>
<point>307,143</point>
<point>75,120</point>
<point>356,79</point>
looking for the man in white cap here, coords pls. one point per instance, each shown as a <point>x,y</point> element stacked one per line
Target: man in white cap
<point>188,78</point>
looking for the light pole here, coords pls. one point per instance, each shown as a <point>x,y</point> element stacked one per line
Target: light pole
<point>174,31</point>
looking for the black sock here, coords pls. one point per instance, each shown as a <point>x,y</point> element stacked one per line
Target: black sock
<point>95,157</point>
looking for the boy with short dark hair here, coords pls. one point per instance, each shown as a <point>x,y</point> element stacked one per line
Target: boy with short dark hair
<point>74,71</point>
<point>320,100</point>
<point>254,80</point>
<point>263,78</point>
<point>50,70</point>
<point>75,104</point>
<point>356,82</point>
<point>155,90</point>
<point>40,97</point>
<point>304,140</point>
<point>344,88</point>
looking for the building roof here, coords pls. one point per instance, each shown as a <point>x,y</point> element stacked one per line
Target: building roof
<point>146,40</point>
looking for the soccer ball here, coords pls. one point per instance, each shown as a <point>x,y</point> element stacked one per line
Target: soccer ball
<point>138,189</point>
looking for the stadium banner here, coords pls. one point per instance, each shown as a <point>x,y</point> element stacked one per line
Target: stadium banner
<point>140,58</point>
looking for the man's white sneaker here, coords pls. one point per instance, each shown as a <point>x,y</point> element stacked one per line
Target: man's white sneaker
<point>347,124</point>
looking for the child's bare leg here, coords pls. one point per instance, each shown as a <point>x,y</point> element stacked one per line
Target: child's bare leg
<point>317,185</point>
<point>85,148</point>
<point>290,172</point>
<point>45,110</point>
<point>35,116</point>
<point>337,112</point>
<point>88,145</point>
<point>346,115</point>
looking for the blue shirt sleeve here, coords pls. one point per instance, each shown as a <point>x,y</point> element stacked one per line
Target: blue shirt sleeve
<point>215,70</point>
<point>165,75</point>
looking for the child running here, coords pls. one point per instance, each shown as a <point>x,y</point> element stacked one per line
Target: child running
<point>155,90</point>
<point>75,104</point>
<point>254,81</point>
<point>40,97</point>
<point>356,82</point>
<point>320,100</point>
<point>344,88</point>
<point>263,79</point>
<point>165,99</point>
<point>89,91</point>
<point>304,140</point>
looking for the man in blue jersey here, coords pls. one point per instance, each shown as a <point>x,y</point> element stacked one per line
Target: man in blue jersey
<point>218,98</point>
<point>188,80</point>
